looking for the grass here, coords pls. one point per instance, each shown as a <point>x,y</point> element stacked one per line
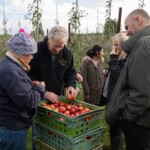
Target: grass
<point>29,142</point>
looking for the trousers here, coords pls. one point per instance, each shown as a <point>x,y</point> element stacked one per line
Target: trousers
<point>136,137</point>
<point>12,139</point>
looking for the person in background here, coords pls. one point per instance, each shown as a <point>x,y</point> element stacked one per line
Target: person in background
<point>130,101</point>
<point>116,63</point>
<point>93,79</point>
<point>54,64</point>
<point>19,95</point>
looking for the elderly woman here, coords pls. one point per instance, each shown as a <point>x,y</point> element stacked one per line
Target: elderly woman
<point>19,96</point>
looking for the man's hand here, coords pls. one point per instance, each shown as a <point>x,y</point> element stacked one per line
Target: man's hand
<point>51,96</point>
<point>79,77</point>
<point>71,92</point>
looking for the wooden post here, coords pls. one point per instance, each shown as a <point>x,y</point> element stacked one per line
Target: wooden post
<point>119,20</point>
<point>69,32</point>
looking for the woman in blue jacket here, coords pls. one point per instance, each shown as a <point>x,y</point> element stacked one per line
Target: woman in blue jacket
<point>19,95</point>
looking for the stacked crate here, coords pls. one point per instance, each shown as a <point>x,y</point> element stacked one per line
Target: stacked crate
<point>56,131</point>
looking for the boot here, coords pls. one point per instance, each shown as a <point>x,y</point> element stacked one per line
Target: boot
<point>116,143</point>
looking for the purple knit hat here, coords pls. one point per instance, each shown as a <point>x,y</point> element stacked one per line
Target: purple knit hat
<point>22,43</point>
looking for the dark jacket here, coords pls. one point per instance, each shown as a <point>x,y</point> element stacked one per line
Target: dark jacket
<point>115,67</point>
<point>18,96</point>
<point>56,73</point>
<point>93,80</point>
<point>130,100</point>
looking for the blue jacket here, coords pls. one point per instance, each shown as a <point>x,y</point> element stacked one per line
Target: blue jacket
<point>18,96</point>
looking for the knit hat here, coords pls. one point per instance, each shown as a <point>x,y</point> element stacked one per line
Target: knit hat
<point>22,43</point>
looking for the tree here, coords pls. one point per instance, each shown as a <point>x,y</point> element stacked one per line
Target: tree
<point>34,15</point>
<point>4,37</point>
<point>141,4</point>
<point>110,26</point>
<point>75,16</point>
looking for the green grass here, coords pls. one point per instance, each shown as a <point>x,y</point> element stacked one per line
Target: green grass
<point>29,142</point>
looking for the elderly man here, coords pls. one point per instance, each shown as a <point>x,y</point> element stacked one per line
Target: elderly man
<point>54,64</point>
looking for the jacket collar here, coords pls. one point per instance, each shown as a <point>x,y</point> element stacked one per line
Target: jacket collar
<point>128,45</point>
<point>18,61</point>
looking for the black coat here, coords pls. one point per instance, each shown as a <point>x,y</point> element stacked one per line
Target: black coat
<point>115,67</point>
<point>56,73</point>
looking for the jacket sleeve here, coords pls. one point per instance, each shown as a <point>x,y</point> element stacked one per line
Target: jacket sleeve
<point>114,67</point>
<point>21,91</point>
<point>84,67</point>
<point>138,100</point>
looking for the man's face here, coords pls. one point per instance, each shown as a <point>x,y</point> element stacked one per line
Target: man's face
<point>129,27</point>
<point>55,45</point>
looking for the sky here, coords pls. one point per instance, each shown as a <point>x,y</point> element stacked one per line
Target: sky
<point>15,11</point>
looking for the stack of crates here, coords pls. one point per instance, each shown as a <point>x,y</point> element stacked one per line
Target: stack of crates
<point>56,131</point>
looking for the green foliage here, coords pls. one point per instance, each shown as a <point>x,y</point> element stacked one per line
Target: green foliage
<point>110,28</point>
<point>75,16</point>
<point>108,10</point>
<point>141,4</point>
<point>3,46</point>
<point>34,15</point>
<point>84,42</point>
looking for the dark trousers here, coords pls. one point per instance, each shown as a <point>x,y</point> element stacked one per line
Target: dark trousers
<point>136,137</point>
<point>115,130</point>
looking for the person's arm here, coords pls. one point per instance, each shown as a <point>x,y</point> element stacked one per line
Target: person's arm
<point>22,91</point>
<point>138,100</point>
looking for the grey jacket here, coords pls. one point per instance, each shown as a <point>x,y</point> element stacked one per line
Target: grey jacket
<point>130,100</point>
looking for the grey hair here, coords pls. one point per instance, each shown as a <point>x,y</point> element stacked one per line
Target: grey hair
<point>59,33</point>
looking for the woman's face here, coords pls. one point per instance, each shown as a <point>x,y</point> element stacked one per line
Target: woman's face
<point>101,54</point>
<point>117,48</point>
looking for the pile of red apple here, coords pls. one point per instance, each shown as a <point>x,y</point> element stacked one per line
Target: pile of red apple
<point>68,109</point>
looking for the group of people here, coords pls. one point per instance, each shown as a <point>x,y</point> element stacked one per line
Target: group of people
<point>31,72</point>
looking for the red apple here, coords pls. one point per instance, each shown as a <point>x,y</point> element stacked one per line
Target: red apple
<point>80,105</point>
<point>62,109</point>
<point>87,109</point>
<point>56,104</point>
<point>72,110</point>
<point>68,106</point>
<point>70,96</point>
<point>67,113</point>
<point>80,108</point>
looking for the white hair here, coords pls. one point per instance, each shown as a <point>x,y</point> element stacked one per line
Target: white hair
<point>58,32</point>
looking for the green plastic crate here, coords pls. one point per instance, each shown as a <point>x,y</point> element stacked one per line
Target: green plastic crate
<point>43,146</point>
<point>71,127</point>
<point>59,141</point>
